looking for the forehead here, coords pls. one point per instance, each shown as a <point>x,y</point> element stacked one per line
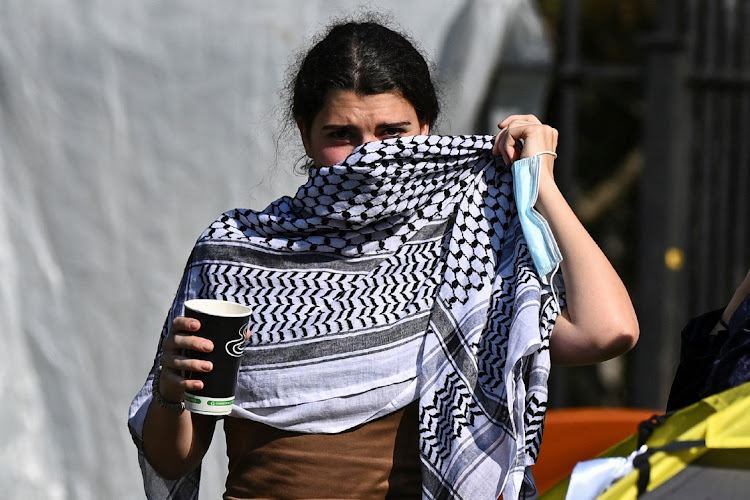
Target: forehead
<point>348,107</point>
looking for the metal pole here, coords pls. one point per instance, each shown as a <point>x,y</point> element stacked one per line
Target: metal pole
<point>741,253</point>
<point>570,73</point>
<point>663,208</point>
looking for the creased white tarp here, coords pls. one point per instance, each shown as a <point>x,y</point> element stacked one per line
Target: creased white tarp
<point>125,128</point>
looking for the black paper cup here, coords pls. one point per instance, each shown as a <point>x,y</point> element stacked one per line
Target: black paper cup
<point>225,324</point>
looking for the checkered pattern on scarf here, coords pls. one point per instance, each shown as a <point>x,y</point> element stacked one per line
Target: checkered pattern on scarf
<point>399,274</point>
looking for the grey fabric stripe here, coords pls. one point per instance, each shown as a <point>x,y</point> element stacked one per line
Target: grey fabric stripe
<point>332,347</point>
<point>346,323</point>
<point>255,254</point>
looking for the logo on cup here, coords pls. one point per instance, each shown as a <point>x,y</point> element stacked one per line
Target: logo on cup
<point>235,347</point>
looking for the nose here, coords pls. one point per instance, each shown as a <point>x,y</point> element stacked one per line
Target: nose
<point>368,138</point>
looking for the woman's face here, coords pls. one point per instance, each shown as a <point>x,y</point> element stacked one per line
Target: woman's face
<point>348,120</point>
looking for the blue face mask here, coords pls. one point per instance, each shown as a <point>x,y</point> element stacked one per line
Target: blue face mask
<point>539,238</point>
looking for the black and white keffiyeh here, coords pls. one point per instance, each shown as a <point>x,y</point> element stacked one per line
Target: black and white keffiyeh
<point>400,274</point>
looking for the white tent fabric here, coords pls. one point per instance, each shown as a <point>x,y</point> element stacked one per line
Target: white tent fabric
<point>125,128</point>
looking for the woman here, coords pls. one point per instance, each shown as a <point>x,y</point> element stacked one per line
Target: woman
<point>401,338</point>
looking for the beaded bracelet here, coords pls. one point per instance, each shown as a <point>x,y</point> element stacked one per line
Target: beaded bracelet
<point>160,399</point>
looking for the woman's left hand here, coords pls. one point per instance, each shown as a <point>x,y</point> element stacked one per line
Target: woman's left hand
<point>523,136</point>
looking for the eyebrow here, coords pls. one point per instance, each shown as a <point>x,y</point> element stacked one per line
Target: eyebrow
<point>379,125</point>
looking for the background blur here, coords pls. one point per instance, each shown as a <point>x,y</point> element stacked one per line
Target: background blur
<point>126,127</point>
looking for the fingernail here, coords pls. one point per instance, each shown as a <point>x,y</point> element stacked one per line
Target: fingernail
<point>193,325</point>
<point>207,346</point>
<point>208,366</point>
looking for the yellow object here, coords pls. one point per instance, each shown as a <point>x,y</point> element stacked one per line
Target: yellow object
<point>674,258</point>
<point>721,420</point>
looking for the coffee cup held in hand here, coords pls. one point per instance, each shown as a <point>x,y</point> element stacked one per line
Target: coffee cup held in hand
<point>225,324</point>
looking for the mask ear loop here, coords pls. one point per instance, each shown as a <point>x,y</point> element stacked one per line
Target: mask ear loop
<point>552,285</point>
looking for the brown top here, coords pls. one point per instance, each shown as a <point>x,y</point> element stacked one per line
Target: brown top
<point>377,460</point>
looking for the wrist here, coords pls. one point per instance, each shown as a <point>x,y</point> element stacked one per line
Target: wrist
<point>546,193</point>
<point>160,399</point>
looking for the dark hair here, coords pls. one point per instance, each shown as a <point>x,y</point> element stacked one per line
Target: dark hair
<point>367,58</point>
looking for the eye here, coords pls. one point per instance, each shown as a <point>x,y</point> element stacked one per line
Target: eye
<point>393,132</point>
<point>339,134</point>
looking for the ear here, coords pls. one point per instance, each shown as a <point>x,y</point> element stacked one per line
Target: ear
<point>424,129</point>
<point>305,135</point>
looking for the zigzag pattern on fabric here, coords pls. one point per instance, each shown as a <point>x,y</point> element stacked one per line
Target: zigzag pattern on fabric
<point>400,274</point>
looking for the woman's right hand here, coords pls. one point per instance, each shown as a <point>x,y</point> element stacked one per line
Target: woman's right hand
<point>176,442</point>
<point>176,359</point>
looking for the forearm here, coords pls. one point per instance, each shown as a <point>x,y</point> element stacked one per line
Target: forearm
<point>175,441</point>
<point>742,291</point>
<point>599,320</point>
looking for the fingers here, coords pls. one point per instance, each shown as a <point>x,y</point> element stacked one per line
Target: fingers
<point>172,384</point>
<point>523,136</point>
<point>176,358</point>
<point>178,362</point>
<point>520,118</point>
<point>182,337</point>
